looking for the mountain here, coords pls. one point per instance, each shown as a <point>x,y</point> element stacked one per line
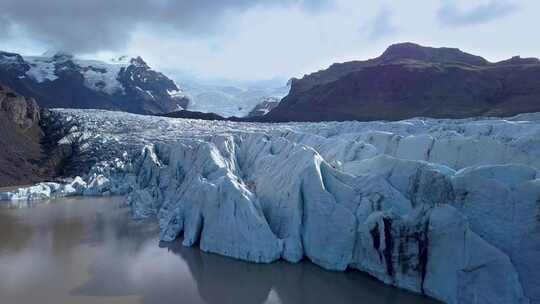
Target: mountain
<point>61,80</point>
<point>409,80</point>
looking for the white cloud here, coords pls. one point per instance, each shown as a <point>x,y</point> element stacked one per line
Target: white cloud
<point>451,14</point>
<point>381,25</point>
<point>265,41</point>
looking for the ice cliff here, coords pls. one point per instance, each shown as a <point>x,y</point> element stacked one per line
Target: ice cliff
<point>447,208</point>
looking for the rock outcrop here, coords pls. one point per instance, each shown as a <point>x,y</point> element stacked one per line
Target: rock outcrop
<point>409,80</point>
<point>23,112</point>
<point>29,148</point>
<point>19,138</point>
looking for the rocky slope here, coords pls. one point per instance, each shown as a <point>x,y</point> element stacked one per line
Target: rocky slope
<point>409,80</point>
<point>26,155</point>
<point>64,81</point>
<point>405,201</point>
<point>21,134</point>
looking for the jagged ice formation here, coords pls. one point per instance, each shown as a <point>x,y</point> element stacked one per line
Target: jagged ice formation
<point>447,208</point>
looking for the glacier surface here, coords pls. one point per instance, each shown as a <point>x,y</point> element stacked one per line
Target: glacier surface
<point>447,208</point>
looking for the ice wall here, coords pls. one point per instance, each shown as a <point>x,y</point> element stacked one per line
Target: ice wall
<point>447,208</point>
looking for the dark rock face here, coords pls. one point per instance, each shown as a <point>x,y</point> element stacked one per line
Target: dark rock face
<point>20,137</point>
<point>29,141</point>
<point>21,111</point>
<point>195,115</point>
<point>70,84</point>
<point>409,80</point>
<point>13,63</point>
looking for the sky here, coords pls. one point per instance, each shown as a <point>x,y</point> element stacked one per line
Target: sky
<point>252,40</point>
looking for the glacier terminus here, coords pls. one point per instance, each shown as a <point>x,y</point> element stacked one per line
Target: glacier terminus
<point>446,208</point>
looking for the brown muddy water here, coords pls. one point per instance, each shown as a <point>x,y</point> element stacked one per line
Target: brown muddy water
<point>88,250</point>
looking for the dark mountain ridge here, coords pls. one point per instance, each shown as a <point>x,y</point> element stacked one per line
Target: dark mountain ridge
<point>410,80</point>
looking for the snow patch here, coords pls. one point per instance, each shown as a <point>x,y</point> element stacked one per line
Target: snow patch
<point>98,76</point>
<point>102,76</point>
<point>176,93</point>
<point>41,68</point>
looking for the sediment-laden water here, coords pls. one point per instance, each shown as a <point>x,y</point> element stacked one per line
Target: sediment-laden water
<point>88,250</point>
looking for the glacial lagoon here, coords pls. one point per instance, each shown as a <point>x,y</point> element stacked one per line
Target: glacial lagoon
<point>90,250</point>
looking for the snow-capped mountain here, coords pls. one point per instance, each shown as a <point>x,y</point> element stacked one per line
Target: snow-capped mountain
<point>62,80</point>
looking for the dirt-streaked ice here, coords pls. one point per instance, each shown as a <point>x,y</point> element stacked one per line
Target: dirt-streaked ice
<point>448,208</point>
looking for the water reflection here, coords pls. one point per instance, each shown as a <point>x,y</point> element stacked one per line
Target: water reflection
<point>222,280</point>
<point>90,251</point>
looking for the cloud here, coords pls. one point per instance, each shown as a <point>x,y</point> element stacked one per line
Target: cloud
<point>381,25</point>
<point>315,6</point>
<point>449,14</point>
<point>4,27</point>
<point>108,25</point>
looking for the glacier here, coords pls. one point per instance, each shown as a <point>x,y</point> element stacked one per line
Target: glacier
<point>446,208</point>
<point>237,99</point>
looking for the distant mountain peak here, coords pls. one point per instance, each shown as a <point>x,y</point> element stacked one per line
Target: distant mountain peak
<point>409,50</point>
<point>51,53</point>
<point>139,62</point>
<point>58,55</point>
<point>11,59</point>
<point>519,60</point>
<point>123,59</point>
